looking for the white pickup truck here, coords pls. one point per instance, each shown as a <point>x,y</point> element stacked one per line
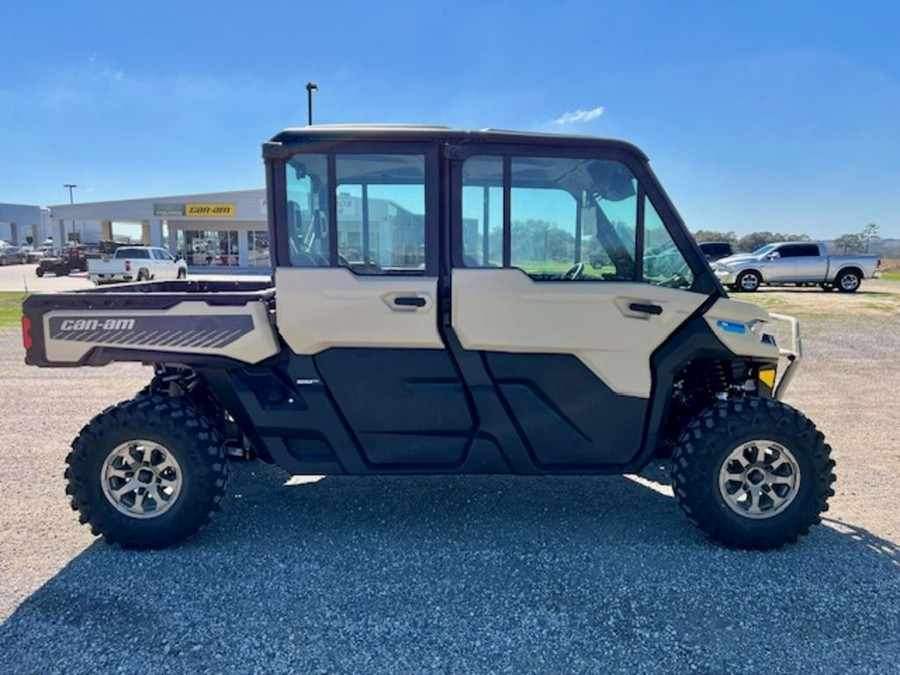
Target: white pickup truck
<point>136,263</point>
<point>800,263</point>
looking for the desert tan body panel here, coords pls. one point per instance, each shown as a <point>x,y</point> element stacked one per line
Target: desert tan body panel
<point>505,310</point>
<point>240,332</point>
<point>324,307</point>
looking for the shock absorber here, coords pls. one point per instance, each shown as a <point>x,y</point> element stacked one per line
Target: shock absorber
<point>716,380</point>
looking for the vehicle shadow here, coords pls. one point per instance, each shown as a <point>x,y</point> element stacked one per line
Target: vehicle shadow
<point>462,574</point>
<point>794,290</point>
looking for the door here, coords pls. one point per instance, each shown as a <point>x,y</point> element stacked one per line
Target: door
<point>811,265</point>
<point>567,282</point>
<point>783,267</point>
<point>361,299</point>
<point>163,264</point>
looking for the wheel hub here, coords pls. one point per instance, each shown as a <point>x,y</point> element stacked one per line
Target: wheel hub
<point>141,479</point>
<point>759,479</point>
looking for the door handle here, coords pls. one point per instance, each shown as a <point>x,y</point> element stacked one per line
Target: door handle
<point>646,308</point>
<point>409,301</point>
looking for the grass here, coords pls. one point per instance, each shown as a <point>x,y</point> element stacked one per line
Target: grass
<point>11,308</point>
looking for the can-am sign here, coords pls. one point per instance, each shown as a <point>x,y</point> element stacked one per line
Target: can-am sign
<point>209,210</point>
<point>195,210</point>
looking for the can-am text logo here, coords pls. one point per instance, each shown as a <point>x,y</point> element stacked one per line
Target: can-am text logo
<point>96,324</point>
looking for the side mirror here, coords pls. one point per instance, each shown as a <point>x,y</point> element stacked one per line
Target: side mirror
<point>774,255</point>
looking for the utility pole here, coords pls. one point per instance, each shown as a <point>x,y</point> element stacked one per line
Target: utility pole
<point>310,88</point>
<point>71,187</point>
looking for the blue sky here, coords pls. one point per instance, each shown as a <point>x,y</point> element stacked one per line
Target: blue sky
<point>780,116</point>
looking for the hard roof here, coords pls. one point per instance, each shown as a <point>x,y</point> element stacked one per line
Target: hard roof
<point>411,133</point>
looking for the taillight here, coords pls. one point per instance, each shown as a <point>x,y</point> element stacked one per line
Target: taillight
<point>878,264</point>
<point>26,332</point>
<point>127,265</point>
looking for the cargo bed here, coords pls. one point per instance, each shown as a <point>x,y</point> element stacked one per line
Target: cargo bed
<point>159,321</point>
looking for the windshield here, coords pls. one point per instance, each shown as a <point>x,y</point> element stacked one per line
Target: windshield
<point>762,250</point>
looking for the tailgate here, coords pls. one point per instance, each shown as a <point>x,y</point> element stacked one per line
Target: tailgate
<point>73,329</point>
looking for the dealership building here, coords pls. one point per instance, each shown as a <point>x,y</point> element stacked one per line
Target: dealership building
<point>23,224</point>
<point>219,228</point>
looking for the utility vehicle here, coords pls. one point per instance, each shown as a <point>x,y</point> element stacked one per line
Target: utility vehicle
<point>432,311</point>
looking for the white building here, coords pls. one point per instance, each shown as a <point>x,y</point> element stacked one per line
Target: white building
<point>20,222</point>
<point>219,228</point>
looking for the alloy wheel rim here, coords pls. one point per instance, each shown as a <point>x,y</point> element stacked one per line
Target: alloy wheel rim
<point>749,282</point>
<point>141,479</point>
<point>759,479</point>
<point>849,282</point>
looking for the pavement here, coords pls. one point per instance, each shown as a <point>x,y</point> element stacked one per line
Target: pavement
<point>455,574</point>
<point>23,278</point>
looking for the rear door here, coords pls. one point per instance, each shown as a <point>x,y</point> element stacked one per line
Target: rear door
<point>565,281</point>
<point>361,299</point>
<point>811,265</point>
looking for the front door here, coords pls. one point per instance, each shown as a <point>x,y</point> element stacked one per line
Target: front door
<point>567,281</point>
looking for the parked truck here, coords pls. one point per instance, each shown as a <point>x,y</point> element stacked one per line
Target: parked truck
<point>415,325</point>
<point>798,263</point>
<point>136,263</point>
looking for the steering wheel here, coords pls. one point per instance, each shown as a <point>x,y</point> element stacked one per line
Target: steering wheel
<point>573,272</point>
<point>677,280</point>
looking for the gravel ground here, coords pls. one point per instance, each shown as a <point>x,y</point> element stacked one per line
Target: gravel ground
<point>465,574</point>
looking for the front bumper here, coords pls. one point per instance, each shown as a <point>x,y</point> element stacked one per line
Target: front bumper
<point>725,277</point>
<point>792,355</point>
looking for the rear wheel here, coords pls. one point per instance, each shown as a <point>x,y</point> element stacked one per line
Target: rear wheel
<point>848,281</point>
<point>143,275</point>
<point>39,272</point>
<point>752,473</point>
<point>182,273</point>
<point>748,281</point>
<point>147,473</point>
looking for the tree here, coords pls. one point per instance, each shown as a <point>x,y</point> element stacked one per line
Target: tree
<point>701,236</point>
<point>753,241</point>
<point>869,232</point>
<point>849,243</point>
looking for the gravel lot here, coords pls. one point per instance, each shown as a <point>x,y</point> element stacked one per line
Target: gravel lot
<point>481,574</point>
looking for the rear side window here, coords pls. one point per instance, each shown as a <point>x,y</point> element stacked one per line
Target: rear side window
<point>381,213</point>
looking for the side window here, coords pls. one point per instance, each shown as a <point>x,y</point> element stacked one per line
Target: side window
<point>381,213</point>
<point>482,205</point>
<point>307,210</point>
<point>809,250</point>
<point>542,230</point>
<point>570,220</point>
<point>663,263</point>
<point>787,251</point>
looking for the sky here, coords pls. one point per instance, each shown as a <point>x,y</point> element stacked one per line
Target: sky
<point>780,116</point>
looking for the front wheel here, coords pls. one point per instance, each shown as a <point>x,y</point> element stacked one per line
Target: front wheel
<point>748,281</point>
<point>752,473</point>
<point>147,473</point>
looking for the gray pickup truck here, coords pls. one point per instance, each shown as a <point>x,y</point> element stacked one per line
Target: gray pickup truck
<point>800,263</point>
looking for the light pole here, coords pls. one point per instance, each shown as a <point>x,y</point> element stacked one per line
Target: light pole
<point>71,187</point>
<point>310,88</point>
